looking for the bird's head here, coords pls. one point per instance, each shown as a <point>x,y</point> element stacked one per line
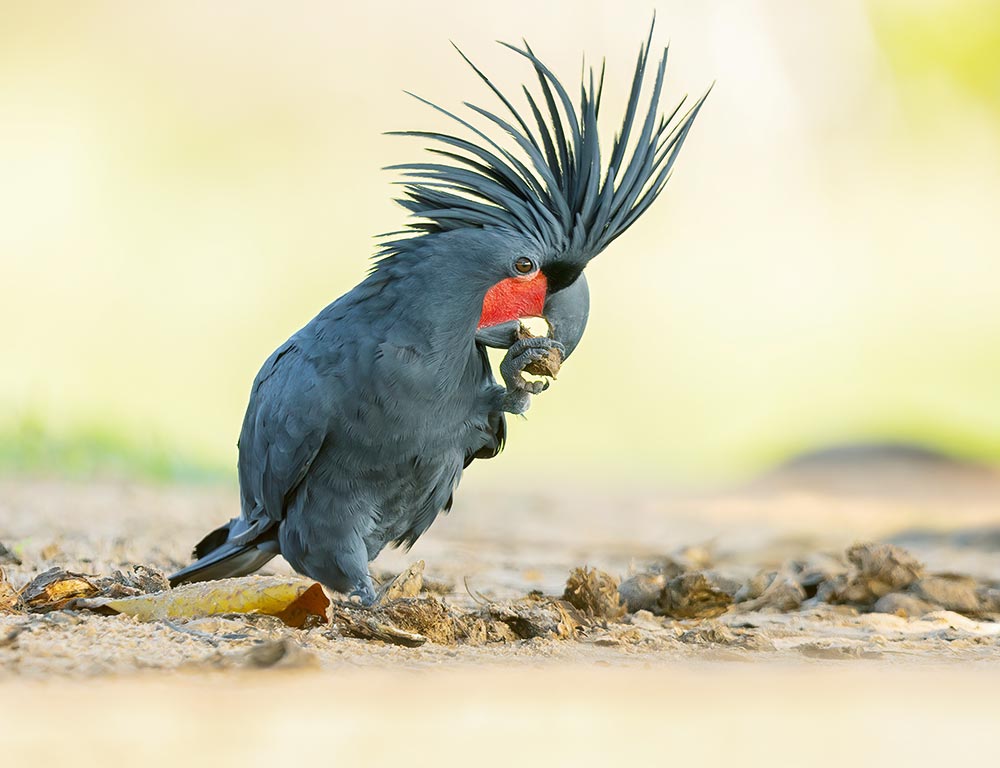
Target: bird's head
<point>525,223</point>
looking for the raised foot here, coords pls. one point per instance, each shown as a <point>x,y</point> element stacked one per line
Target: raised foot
<point>521,354</point>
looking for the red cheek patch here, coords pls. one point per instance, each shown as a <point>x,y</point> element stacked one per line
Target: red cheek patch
<point>514,298</point>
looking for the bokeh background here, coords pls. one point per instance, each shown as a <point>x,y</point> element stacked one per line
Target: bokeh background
<point>183,185</point>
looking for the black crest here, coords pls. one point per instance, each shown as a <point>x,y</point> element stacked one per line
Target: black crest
<point>559,192</point>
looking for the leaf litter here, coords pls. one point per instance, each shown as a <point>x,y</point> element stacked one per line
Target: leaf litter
<point>673,604</point>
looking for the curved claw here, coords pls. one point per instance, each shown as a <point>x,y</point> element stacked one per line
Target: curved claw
<point>535,387</point>
<point>521,354</point>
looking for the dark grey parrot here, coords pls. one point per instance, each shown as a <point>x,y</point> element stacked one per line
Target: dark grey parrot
<point>360,425</point>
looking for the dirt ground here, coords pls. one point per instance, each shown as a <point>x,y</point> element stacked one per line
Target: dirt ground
<point>824,673</point>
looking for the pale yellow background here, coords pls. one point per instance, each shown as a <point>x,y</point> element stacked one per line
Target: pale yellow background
<point>183,185</point>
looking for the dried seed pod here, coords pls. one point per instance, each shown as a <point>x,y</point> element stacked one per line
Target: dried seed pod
<point>547,366</point>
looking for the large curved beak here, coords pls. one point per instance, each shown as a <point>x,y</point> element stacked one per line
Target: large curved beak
<point>566,312</point>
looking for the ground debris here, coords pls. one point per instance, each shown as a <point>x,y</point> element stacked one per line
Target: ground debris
<point>351,620</point>
<point>771,591</point>
<point>55,588</point>
<point>698,595</point>
<point>547,618</point>
<point>902,604</point>
<point>413,621</point>
<point>10,600</point>
<point>950,591</point>
<point>409,583</point>
<point>426,616</point>
<point>595,593</point>
<point>407,621</point>
<point>282,652</point>
<point>771,544</point>
<point>869,576</point>
<point>877,570</point>
<point>641,592</point>
<point>691,595</point>
<point>989,599</point>
<point>483,631</point>
<point>137,580</point>
<point>878,595</point>
<point>647,590</point>
<point>716,633</point>
<point>815,569</point>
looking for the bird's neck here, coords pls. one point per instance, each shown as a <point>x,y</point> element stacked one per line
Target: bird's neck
<point>433,305</point>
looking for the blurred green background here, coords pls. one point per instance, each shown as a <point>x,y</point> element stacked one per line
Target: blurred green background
<point>183,185</point>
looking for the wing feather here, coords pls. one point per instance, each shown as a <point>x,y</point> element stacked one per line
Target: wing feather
<point>284,430</point>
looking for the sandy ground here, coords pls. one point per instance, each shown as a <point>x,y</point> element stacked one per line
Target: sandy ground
<point>824,683</point>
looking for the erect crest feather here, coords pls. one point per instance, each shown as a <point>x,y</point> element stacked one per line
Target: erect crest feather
<point>558,193</point>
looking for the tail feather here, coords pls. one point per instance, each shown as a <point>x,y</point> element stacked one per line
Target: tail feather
<point>212,541</point>
<point>219,558</point>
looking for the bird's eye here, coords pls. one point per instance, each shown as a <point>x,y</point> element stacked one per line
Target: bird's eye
<point>524,265</point>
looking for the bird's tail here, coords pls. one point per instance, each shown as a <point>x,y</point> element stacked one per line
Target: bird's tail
<point>218,557</point>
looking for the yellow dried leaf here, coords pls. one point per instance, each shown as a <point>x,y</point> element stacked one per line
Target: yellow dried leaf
<point>291,600</point>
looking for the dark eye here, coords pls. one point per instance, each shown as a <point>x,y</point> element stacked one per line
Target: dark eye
<point>524,265</point>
